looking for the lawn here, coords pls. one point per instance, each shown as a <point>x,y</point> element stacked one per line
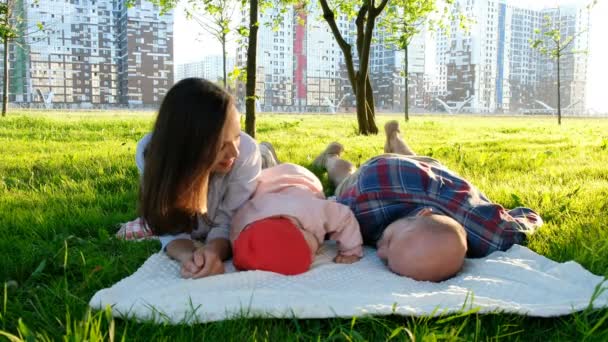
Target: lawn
<point>66,181</point>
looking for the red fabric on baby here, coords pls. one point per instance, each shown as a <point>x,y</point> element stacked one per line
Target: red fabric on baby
<point>272,244</point>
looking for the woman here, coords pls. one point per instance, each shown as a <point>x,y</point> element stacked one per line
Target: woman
<point>199,169</point>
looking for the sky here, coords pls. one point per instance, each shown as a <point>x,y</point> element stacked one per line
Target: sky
<point>191,44</point>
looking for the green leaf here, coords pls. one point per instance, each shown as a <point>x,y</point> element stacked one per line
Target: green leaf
<point>39,269</point>
<point>516,200</point>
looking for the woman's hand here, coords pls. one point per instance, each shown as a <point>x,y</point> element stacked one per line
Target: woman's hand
<point>346,259</point>
<point>199,260</point>
<point>204,262</point>
<point>208,259</point>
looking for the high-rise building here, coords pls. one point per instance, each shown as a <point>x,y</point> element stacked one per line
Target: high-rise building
<point>385,67</point>
<point>210,68</point>
<point>275,60</point>
<point>145,45</point>
<point>503,51</point>
<point>469,58</point>
<point>524,61</point>
<point>323,58</point>
<point>387,72</point>
<point>302,68</point>
<point>92,53</point>
<point>492,67</point>
<point>533,76</point>
<point>489,67</point>
<point>74,58</point>
<point>299,63</point>
<point>572,22</point>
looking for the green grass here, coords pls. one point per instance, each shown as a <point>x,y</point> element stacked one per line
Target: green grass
<point>66,181</point>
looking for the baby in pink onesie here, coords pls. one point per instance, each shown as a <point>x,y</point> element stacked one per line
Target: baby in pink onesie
<point>282,226</point>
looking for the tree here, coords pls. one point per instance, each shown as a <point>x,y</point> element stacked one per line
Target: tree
<point>404,20</point>
<point>365,21</point>
<point>252,35</point>
<point>8,33</point>
<point>13,28</point>
<point>216,18</point>
<point>252,48</point>
<point>553,43</point>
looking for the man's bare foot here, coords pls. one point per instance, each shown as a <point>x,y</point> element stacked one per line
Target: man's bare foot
<point>394,142</point>
<point>391,128</point>
<point>333,149</point>
<point>269,156</point>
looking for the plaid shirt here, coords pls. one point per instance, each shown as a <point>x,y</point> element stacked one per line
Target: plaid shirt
<point>390,187</point>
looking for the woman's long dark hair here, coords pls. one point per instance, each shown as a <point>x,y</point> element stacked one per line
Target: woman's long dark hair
<point>179,157</point>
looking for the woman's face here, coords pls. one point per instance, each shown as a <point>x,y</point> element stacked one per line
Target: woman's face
<point>230,140</point>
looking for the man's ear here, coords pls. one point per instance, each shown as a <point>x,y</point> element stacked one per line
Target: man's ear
<point>384,243</point>
<point>425,212</point>
<point>382,251</point>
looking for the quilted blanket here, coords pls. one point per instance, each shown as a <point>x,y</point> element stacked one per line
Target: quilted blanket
<point>516,281</point>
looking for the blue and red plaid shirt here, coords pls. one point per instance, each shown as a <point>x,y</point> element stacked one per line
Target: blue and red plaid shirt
<point>390,187</point>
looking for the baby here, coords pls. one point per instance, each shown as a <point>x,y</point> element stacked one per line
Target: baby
<point>282,226</point>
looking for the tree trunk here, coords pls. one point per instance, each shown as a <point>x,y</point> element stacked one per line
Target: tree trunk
<point>559,96</point>
<point>367,124</point>
<point>346,48</point>
<point>360,24</point>
<point>407,75</point>
<point>358,79</point>
<point>5,78</point>
<point>361,105</point>
<point>224,57</point>
<point>251,68</point>
<point>371,107</point>
<point>370,125</point>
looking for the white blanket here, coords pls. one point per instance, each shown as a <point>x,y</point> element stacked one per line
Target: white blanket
<point>517,281</point>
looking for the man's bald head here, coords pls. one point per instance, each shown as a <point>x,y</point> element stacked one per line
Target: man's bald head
<point>427,247</point>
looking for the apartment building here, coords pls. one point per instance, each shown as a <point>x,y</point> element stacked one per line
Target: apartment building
<point>92,53</point>
<point>210,68</point>
<point>570,21</point>
<point>299,63</point>
<point>490,67</point>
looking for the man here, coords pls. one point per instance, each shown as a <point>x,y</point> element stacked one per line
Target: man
<point>423,218</point>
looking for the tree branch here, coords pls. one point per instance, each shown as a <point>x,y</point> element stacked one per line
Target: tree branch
<point>571,53</point>
<point>366,45</point>
<point>377,10</point>
<point>214,31</point>
<point>571,39</point>
<point>360,23</point>
<point>330,17</point>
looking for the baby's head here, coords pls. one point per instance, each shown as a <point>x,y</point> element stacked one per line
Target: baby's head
<point>275,244</point>
<point>426,247</point>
